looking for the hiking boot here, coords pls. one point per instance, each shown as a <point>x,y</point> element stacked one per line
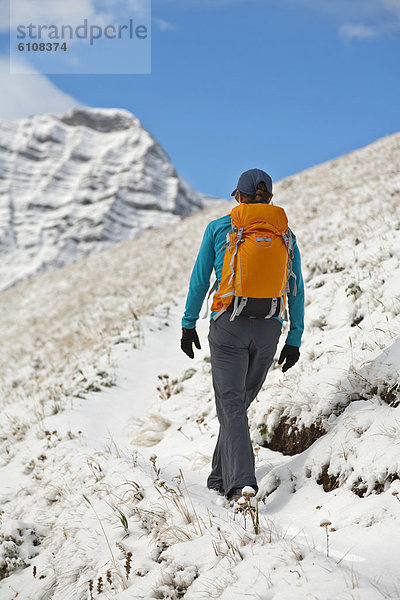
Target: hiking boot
<point>234,494</point>
<point>219,489</point>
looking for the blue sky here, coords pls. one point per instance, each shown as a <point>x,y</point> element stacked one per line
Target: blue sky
<point>279,85</point>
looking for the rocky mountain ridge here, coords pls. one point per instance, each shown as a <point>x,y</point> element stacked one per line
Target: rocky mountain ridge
<point>76,183</point>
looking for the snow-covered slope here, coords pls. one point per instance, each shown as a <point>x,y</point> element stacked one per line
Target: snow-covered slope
<point>79,182</point>
<point>108,429</point>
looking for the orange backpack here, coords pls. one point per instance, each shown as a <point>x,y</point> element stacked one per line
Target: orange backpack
<point>257,263</point>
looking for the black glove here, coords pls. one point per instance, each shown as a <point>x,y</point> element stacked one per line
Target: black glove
<point>289,356</point>
<point>188,337</point>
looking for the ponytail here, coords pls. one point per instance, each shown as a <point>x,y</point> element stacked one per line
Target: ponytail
<point>262,195</point>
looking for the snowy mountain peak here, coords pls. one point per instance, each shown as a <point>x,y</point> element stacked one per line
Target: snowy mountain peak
<point>80,182</point>
<point>105,120</point>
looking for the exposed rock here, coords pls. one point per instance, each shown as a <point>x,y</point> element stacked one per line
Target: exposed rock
<point>331,482</point>
<point>99,119</point>
<point>328,481</point>
<point>389,394</point>
<point>289,439</point>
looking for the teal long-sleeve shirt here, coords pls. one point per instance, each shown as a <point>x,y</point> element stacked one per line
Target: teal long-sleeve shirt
<point>211,257</point>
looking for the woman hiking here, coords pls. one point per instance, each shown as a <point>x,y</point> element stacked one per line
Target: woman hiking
<point>257,265</point>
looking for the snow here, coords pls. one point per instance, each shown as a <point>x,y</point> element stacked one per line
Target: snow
<point>248,491</point>
<point>108,428</point>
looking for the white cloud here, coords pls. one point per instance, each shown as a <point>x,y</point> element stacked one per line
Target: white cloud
<point>357,31</point>
<point>393,6</point>
<point>358,19</point>
<point>163,25</point>
<point>30,94</point>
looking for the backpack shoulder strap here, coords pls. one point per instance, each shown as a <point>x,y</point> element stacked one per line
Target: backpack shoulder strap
<point>288,239</point>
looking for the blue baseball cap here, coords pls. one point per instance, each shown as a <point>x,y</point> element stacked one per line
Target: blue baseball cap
<point>249,180</point>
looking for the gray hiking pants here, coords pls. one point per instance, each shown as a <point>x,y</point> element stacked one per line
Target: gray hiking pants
<point>242,351</point>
